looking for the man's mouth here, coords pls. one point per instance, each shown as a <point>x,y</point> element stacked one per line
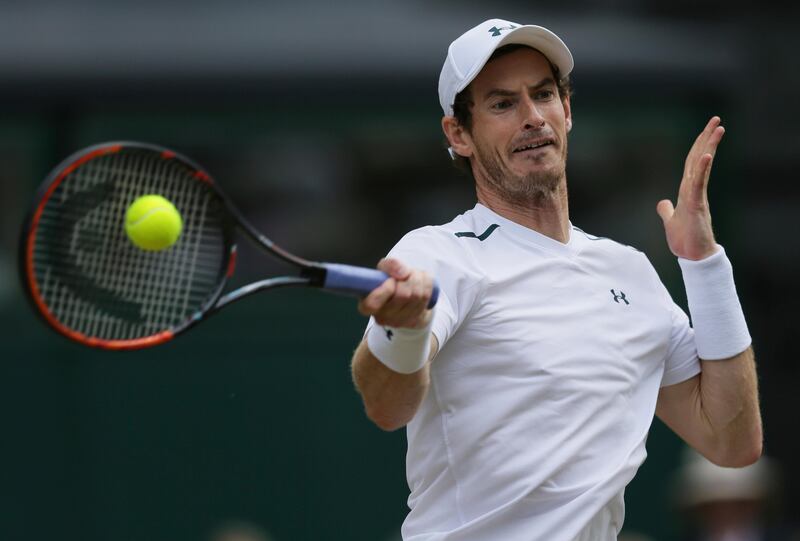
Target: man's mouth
<point>533,145</point>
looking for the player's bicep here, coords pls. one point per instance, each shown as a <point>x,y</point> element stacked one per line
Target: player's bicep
<point>679,407</point>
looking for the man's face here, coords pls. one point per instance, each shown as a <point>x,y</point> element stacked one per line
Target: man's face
<point>519,127</point>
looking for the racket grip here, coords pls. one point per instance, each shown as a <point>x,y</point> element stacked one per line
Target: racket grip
<point>360,281</point>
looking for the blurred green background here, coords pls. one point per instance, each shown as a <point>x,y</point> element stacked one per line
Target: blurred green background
<point>322,124</point>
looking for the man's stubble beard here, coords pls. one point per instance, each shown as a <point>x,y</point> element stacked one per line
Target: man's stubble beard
<point>530,189</point>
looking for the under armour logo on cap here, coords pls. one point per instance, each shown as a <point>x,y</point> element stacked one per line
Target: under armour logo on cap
<point>496,32</point>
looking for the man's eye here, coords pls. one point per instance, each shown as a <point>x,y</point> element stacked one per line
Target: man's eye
<point>544,94</point>
<point>500,105</point>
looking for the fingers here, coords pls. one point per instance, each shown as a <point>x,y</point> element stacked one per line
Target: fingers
<point>706,136</point>
<point>697,169</point>
<point>409,302</point>
<point>700,182</point>
<point>665,210</point>
<point>402,300</point>
<point>713,123</point>
<point>706,142</point>
<point>394,268</point>
<point>373,302</point>
<point>711,142</point>
<point>377,298</point>
<point>699,189</point>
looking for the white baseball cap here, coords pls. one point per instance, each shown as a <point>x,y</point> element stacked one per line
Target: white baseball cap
<point>467,55</point>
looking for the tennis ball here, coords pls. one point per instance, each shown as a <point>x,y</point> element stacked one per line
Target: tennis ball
<point>153,223</point>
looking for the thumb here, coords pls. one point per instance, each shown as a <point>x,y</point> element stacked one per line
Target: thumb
<point>665,210</point>
<point>394,268</point>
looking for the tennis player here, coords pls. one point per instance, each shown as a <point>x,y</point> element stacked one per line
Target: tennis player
<point>529,390</point>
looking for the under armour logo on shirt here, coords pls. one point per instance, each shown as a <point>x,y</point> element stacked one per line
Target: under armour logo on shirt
<point>619,297</point>
<point>389,333</point>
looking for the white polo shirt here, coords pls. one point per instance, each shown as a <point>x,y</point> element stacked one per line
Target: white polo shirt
<point>545,384</point>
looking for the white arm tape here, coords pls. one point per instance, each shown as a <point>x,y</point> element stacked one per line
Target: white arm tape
<point>720,330</point>
<point>402,350</point>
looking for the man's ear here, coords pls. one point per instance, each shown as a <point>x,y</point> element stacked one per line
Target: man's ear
<point>568,114</point>
<point>458,137</point>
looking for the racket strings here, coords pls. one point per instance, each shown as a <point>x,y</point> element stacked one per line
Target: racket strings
<point>93,280</point>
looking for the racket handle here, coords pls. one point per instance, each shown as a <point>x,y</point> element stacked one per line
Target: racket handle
<point>360,281</point>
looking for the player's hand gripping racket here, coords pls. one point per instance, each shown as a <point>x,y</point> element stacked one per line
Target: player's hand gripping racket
<point>93,285</point>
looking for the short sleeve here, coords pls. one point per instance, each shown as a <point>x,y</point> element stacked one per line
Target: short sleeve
<point>460,281</point>
<point>682,361</point>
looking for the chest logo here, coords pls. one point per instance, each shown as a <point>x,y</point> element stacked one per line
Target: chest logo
<point>619,298</point>
<point>482,237</point>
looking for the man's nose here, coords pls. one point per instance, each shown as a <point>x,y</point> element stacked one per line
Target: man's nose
<point>532,118</point>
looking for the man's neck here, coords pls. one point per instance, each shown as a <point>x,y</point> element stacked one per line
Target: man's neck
<point>547,213</point>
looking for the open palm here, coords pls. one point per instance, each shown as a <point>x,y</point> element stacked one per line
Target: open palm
<point>688,223</point>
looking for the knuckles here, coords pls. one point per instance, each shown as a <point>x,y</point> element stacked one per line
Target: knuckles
<point>403,294</point>
<point>398,302</point>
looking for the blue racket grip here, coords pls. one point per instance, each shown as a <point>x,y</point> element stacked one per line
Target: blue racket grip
<point>360,281</point>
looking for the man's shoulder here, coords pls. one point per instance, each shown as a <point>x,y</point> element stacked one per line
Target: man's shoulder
<point>447,235</point>
<point>607,244</point>
<point>448,245</point>
<point>612,256</point>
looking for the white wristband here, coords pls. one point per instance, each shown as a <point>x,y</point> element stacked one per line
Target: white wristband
<point>400,349</point>
<point>720,330</point>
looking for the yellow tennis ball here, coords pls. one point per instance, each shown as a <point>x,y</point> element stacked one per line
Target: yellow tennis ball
<point>153,223</point>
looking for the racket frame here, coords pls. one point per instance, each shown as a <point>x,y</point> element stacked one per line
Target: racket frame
<point>311,273</point>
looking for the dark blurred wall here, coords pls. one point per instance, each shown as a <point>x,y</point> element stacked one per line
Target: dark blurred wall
<point>323,126</point>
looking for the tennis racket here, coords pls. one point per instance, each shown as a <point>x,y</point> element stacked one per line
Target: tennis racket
<point>91,284</point>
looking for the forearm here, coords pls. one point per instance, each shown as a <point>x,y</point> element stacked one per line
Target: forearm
<point>728,403</point>
<point>390,366</point>
<point>717,411</point>
<point>390,398</point>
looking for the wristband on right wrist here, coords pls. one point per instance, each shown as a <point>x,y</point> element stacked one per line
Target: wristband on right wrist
<point>400,349</point>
